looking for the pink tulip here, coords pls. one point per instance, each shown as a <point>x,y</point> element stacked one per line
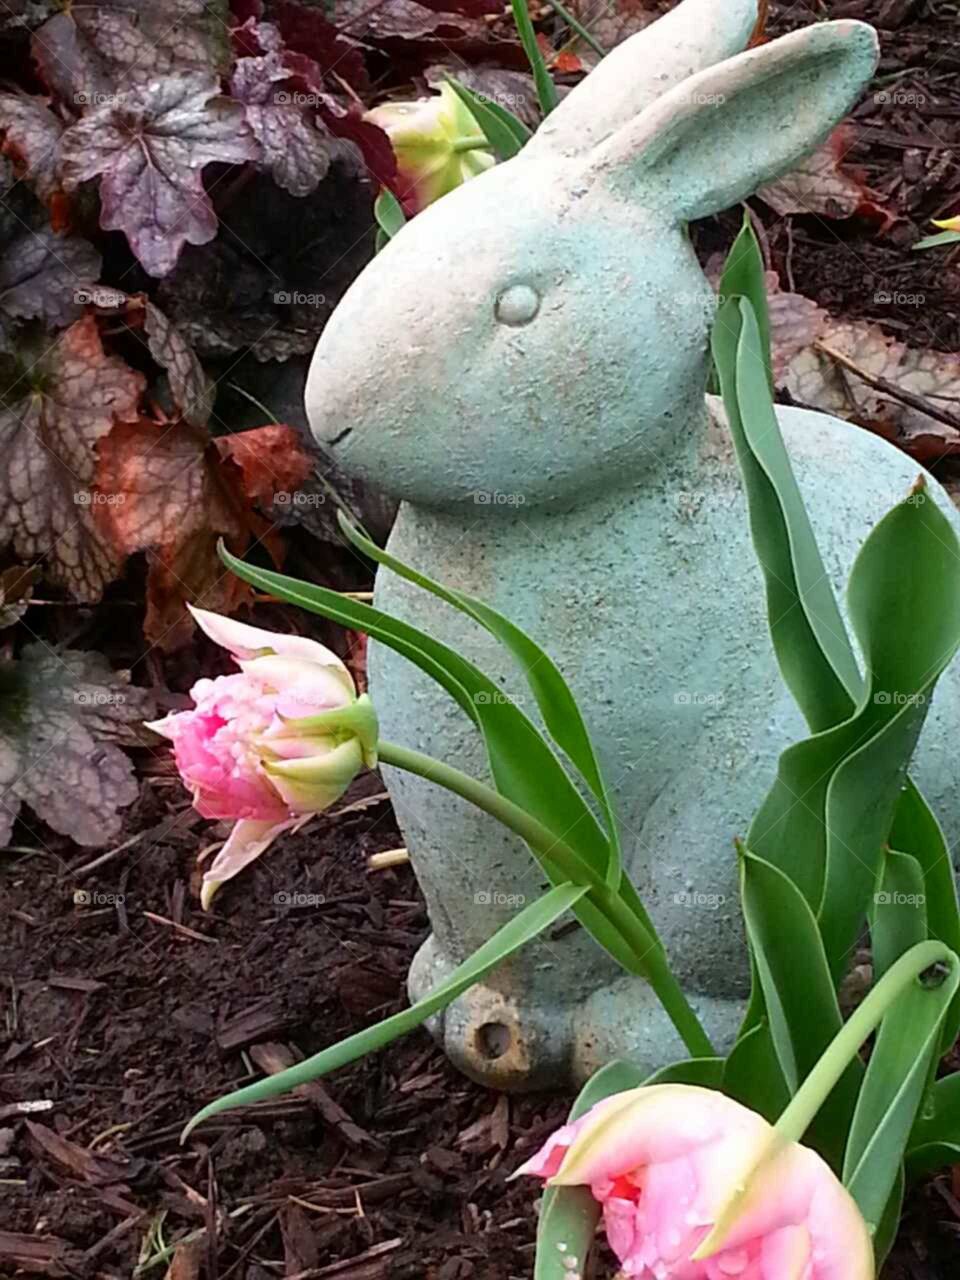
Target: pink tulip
<point>272,745</point>
<point>695,1186</point>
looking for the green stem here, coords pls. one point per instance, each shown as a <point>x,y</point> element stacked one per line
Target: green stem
<point>634,932</point>
<point>470,144</point>
<point>575,25</point>
<point>847,1043</point>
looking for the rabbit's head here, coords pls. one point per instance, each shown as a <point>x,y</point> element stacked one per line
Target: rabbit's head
<point>542,331</point>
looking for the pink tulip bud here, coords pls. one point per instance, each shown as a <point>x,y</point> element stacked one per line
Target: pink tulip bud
<point>272,745</point>
<point>438,145</point>
<point>695,1186</point>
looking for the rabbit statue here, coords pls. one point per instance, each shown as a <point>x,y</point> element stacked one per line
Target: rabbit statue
<point>524,367</point>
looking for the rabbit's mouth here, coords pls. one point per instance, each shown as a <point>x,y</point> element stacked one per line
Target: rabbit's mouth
<point>338,439</point>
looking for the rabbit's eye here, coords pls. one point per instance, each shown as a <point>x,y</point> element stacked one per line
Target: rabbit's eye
<point>517,305</point>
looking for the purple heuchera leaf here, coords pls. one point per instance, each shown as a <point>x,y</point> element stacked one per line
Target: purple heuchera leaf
<point>33,135</point>
<point>295,148</point>
<point>46,276</point>
<point>149,149</point>
<point>64,713</point>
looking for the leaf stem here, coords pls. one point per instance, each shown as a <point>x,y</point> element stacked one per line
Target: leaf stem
<point>846,1044</point>
<point>636,933</point>
<point>470,144</point>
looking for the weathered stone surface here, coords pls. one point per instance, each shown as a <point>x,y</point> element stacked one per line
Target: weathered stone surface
<point>524,366</point>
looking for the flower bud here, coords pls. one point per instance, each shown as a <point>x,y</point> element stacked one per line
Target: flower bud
<point>438,145</point>
<point>270,746</point>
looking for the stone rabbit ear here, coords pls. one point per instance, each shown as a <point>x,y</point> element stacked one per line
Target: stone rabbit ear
<point>720,134</point>
<point>694,35</point>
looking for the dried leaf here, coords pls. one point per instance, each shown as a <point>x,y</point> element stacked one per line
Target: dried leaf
<point>823,184</point>
<point>192,390</point>
<point>803,337</point>
<point>149,148</point>
<point>57,711</point>
<point>55,406</point>
<point>45,276</point>
<point>295,149</point>
<point>611,24</point>
<point>183,492</point>
<point>272,460</point>
<point>32,140</point>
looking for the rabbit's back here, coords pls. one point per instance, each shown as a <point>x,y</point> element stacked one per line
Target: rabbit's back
<point>651,602</point>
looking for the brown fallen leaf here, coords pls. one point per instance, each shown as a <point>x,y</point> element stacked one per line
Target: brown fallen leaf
<point>825,184</point>
<point>854,370</point>
<point>183,491</point>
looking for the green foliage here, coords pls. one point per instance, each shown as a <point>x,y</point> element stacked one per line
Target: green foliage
<point>506,133</point>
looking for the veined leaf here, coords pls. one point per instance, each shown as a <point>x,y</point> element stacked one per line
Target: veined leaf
<point>551,692</point>
<point>506,133</point>
<point>516,933</point>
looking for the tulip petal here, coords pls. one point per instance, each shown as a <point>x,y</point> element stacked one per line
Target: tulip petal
<point>947,224</point>
<point>245,641</point>
<point>246,842</point>
<point>310,682</point>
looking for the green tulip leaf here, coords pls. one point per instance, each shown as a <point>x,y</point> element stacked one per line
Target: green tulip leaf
<point>901,1065</point>
<point>546,89</point>
<point>525,770</point>
<point>506,133</point>
<point>516,933</point>
<point>556,703</point>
